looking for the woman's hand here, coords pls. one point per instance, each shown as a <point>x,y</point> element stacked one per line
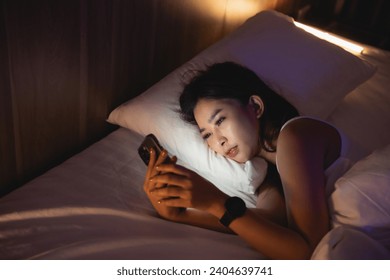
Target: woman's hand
<point>185,188</point>
<point>165,211</point>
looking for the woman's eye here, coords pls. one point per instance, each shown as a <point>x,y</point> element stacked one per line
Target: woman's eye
<point>206,136</point>
<point>219,121</point>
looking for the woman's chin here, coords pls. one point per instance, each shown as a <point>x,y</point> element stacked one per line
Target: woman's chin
<point>241,159</point>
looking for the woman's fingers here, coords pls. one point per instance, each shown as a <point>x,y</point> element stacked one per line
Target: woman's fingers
<point>152,160</point>
<point>170,192</point>
<point>176,202</point>
<point>171,179</point>
<point>163,155</point>
<point>151,171</point>
<point>173,168</point>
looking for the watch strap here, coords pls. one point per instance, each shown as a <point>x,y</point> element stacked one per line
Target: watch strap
<point>235,207</point>
<point>226,219</point>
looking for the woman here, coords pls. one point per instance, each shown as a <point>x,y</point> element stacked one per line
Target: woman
<point>240,118</point>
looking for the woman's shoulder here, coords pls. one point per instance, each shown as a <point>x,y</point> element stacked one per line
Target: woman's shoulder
<point>306,133</point>
<point>307,127</point>
<point>303,121</point>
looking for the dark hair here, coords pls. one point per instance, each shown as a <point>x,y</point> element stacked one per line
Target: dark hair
<point>231,80</point>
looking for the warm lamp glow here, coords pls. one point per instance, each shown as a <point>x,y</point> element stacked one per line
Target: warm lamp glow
<point>351,47</point>
<point>241,9</point>
<point>233,10</point>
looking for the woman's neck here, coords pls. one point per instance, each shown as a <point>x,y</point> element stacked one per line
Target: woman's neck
<point>268,156</point>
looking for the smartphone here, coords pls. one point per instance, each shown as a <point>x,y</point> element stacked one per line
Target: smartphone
<point>150,141</point>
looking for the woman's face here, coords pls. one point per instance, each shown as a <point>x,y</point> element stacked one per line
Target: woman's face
<point>228,127</point>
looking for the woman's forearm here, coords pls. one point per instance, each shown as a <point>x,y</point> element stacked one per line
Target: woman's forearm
<point>270,239</point>
<point>201,219</point>
<point>193,192</point>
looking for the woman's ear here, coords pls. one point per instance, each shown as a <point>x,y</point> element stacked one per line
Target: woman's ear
<point>256,103</point>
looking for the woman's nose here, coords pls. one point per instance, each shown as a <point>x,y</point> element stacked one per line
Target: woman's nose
<point>221,139</point>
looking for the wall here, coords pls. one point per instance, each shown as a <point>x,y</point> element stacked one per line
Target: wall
<point>64,65</point>
<point>364,21</point>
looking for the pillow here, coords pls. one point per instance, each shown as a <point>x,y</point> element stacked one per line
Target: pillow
<point>155,111</point>
<point>344,243</point>
<point>361,198</point>
<point>312,74</point>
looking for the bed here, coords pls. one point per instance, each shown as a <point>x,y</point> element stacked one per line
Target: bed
<point>93,206</point>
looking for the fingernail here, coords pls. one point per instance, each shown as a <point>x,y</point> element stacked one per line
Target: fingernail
<point>159,202</point>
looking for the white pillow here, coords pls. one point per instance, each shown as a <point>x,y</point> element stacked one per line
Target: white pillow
<point>311,73</point>
<point>362,197</point>
<point>155,111</point>
<point>344,243</point>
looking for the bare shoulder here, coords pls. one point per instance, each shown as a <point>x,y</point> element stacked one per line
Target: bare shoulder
<point>308,128</point>
<point>311,136</point>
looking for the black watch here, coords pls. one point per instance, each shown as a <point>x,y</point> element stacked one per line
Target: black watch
<point>235,207</point>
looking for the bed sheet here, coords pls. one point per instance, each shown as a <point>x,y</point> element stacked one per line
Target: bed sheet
<point>93,207</point>
<point>364,114</point>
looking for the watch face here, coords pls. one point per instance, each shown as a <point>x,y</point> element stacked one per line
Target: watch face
<point>235,206</point>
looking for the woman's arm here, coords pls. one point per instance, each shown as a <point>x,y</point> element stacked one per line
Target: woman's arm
<point>269,238</point>
<point>301,160</point>
<point>305,149</point>
<point>206,220</point>
<point>270,205</point>
<point>201,219</point>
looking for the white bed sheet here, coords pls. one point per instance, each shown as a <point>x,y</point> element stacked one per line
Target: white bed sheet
<point>364,114</point>
<point>93,207</point>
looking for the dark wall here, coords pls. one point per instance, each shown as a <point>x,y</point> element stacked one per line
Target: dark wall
<point>364,21</point>
<point>64,65</point>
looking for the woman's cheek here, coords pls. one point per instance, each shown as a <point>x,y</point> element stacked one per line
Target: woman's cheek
<point>213,145</point>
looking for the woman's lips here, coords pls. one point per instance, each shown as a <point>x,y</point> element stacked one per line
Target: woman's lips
<point>231,153</point>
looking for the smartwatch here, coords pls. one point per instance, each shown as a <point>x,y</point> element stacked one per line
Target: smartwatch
<point>235,207</point>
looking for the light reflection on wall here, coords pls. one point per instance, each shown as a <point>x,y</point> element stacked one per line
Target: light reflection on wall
<point>234,10</point>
